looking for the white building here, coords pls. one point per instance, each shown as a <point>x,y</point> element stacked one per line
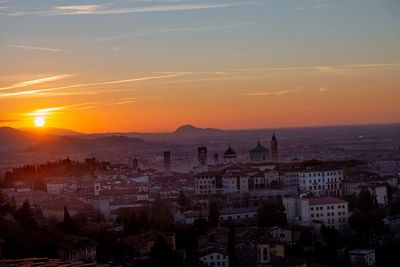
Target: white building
<point>332,212</point>
<point>362,257</point>
<point>214,257</point>
<point>56,187</point>
<point>206,183</point>
<point>238,214</point>
<point>235,182</point>
<point>321,183</point>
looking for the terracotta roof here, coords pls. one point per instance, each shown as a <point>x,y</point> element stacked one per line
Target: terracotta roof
<point>325,200</point>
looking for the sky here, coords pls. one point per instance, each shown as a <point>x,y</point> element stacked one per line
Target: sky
<point>153,65</point>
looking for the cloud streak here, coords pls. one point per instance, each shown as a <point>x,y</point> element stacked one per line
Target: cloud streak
<point>36,82</point>
<point>272,93</point>
<point>104,10</point>
<point>174,30</point>
<point>113,82</point>
<point>110,9</point>
<point>38,48</point>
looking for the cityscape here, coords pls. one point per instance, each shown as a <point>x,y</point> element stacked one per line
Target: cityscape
<point>223,133</point>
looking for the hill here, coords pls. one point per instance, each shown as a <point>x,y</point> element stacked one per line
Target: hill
<point>190,129</point>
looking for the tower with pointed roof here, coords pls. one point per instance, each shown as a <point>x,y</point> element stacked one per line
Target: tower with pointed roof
<point>274,148</point>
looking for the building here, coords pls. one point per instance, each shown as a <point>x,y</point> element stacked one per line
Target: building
<point>289,235</point>
<point>216,159</point>
<point>230,155</point>
<point>274,148</point>
<point>362,258</point>
<point>331,211</point>
<point>208,183</point>
<point>144,242</point>
<point>77,249</point>
<point>271,253</point>
<point>214,256</point>
<point>167,161</point>
<point>321,182</point>
<point>56,187</point>
<point>135,164</point>
<point>202,157</point>
<point>55,208</point>
<point>259,153</point>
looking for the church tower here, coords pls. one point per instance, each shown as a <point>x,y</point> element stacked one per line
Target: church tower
<point>274,148</point>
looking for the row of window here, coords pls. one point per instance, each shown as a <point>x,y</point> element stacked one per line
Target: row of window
<point>222,263</point>
<point>206,182</point>
<point>319,174</point>
<point>329,207</point>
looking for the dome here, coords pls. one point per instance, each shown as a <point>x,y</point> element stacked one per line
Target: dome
<point>259,149</point>
<point>230,152</point>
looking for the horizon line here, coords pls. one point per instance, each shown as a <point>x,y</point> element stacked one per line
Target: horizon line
<point>43,129</point>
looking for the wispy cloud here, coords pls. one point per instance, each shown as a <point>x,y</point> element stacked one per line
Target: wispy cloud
<point>317,6</point>
<point>323,88</point>
<point>272,93</point>
<point>332,69</point>
<point>36,82</point>
<point>81,9</point>
<point>38,48</point>
<point>174,30</point>
<point>44,111</point>
<point>2,121</point>
<point>137,79</point>
<point>104,10</point>
<point>112,9</point>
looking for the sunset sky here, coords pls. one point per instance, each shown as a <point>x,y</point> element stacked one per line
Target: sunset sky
<point>153,65</point>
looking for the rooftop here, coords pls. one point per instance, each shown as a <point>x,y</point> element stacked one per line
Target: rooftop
<point>325,200</point>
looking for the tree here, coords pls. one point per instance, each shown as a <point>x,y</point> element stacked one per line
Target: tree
<point>365,201</point>
<point>271,214</point>
<point>182,200</point>
<point>358,222</point>
<point>161,216</point>
<point>213,214</point>
<point>231,246</point>
<point>68,223</point>
<point>162,254</point>
<point>25,217</point>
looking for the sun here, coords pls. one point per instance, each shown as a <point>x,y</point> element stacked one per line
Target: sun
<point>40,122</point>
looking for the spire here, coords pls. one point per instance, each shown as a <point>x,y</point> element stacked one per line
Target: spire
<point>273,137</point>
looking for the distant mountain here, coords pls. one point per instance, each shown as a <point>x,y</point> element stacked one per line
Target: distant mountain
<point>37,141</point>
<point>11,138</point>
<point>190,129</point>
<point>77,144</point>
<point>51,130</point>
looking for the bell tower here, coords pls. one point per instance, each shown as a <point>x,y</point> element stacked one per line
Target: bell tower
<point>274,148</point>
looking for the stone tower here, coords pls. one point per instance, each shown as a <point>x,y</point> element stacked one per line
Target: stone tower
<point>274,148</point>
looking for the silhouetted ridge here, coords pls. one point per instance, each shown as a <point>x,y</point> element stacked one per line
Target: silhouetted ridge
<point>190,129</point>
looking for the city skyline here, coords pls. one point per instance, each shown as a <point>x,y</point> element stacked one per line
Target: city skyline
<point>151,66</point>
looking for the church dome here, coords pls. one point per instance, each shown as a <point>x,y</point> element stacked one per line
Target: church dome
<point>259,149</point>
<point>230,152</point>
